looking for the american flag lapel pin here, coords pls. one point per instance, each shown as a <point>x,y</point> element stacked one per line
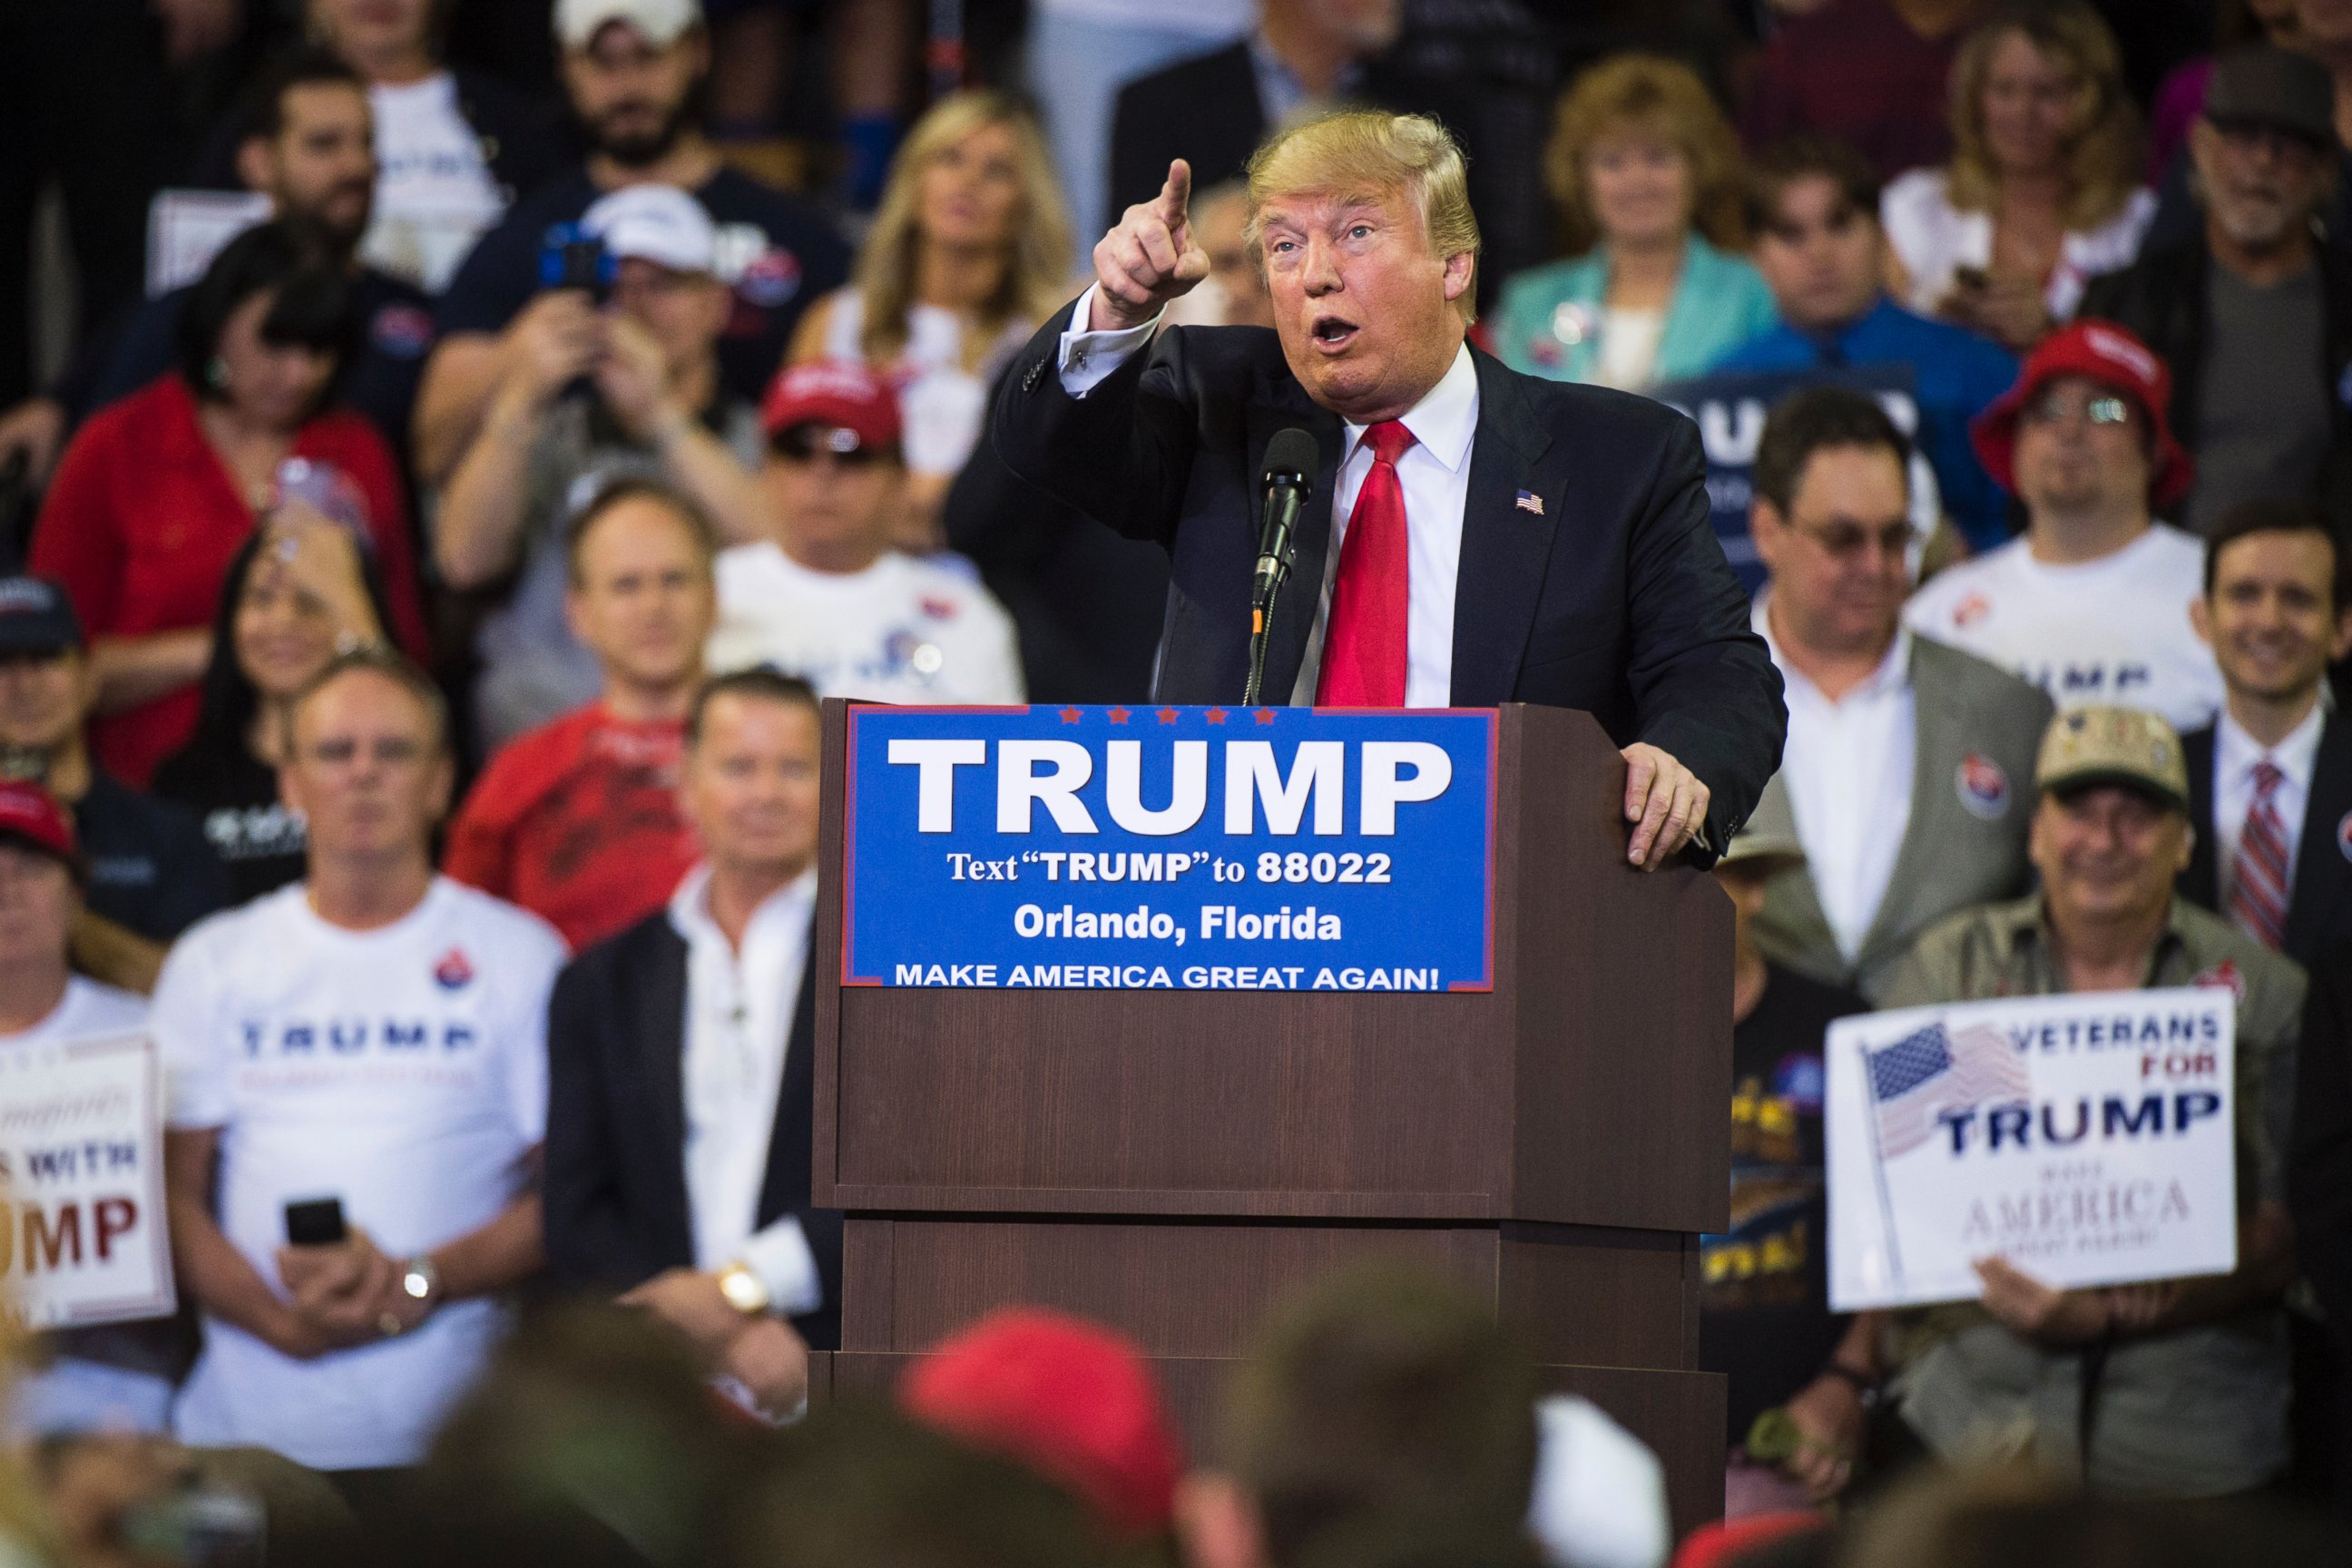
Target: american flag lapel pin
<point>1529,501</point>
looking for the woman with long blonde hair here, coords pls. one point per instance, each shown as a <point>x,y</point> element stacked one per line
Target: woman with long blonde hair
<point>969,252</point>
<point>2042,191</point>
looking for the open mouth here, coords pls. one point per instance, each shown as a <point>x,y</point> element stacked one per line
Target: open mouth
<point>1332,333</point>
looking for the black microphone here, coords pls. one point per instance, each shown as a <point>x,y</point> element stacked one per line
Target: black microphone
<point>1291,462</point>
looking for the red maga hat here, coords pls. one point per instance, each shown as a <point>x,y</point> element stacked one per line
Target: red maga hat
<point>840,392</point>
<point>2108,354</point>
<point>32,816</point>
<point>1065,1397</point>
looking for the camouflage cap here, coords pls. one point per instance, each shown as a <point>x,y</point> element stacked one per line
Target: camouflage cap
<point>2099,746</point>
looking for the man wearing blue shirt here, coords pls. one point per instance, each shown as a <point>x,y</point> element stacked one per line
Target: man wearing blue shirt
<point>1814,207</point>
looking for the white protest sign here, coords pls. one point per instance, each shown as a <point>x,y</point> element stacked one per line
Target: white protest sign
<point>185,229</point>
<point>2089,1140</point>
<point>83,1237</point>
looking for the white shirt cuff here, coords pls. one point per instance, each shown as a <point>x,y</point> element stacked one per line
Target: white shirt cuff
<point>780,1255</point>
<point>1088,358</point>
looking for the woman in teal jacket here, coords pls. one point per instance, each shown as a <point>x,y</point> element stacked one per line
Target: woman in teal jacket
<point>1646,171</point>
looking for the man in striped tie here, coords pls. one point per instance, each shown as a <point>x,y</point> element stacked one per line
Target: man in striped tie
<point>2269,783</point>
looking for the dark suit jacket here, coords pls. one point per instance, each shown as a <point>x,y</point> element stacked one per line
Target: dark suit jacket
<point>2319,909</point>
<point>1204,109</point>
<point>1590,572</point>
<point>615,1156</point>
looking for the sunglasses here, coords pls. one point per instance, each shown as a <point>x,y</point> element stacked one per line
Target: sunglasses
<point>2055,408</point>
<point>803,443</point>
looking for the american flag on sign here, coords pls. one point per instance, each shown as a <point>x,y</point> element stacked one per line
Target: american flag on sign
<point>1922,1075</point>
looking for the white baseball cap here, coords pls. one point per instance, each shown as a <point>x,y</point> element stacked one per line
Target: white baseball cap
<point>655,223</point>
<point>663,22</point>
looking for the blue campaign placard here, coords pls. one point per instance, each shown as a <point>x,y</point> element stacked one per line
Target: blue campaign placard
<point>1191,848</point>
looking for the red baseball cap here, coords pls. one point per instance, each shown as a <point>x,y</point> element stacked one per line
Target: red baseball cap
<point>840,392</point>
<point>2110,355</point>
<point>31,816</point>
<point>1064,1396</point>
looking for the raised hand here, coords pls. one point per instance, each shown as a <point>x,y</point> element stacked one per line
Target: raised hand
<point>1149,259</point>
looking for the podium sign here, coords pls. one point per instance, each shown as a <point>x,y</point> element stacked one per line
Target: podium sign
<point>1177,848</point>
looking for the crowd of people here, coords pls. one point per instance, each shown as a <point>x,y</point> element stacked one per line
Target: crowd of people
<point>408,716</point>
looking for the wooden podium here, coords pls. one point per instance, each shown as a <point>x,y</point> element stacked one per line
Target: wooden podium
<point>1168,1162</point>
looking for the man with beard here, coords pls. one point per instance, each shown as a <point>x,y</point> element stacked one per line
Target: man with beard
<point>307,145</point>
<point>2237,307</point>
<point>631,69</point>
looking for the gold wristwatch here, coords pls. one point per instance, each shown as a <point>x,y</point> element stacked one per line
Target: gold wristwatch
<point>745,1292</point>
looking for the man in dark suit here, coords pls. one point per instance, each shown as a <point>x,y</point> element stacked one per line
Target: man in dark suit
<point>2270,782</point>
<point>1213,110</point>
<point>1475,536</point>
<point>680,1068</point>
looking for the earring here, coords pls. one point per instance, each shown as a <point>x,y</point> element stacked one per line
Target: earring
<point>216,372</point>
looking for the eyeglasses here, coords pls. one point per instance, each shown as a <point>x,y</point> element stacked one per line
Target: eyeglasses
<point>1842,541</point>
<point>2057,408</point>
<point>802,443</point>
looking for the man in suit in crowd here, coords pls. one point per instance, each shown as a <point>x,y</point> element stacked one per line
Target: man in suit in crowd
<point>1488,537</point>
<point>1906,759</point>
<point>681,1080</point>
<point>1213,110</point>
<point>2270,782</point>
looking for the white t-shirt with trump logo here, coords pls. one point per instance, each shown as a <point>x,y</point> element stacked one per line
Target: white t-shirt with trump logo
<point>903,630</point>
<point>403,1070</point>
<point>2114,630</point>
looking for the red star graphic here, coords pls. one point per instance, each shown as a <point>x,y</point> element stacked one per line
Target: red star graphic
<point>1119,715</point>
<point>1214,715</point>
<point>1166,715</point>
<point>1069,715</point>
<point>1265,715</point>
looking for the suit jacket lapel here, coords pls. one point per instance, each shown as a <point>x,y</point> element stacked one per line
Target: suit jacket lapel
<point>791,1141</point>
<point>2323,862</point>
<point>1506,546</point>
<point>1284,404</point>
<point>657,1026</point>
<point>1935,761</point>
<point>2200,883</point>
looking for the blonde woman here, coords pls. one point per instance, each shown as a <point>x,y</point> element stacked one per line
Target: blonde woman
<point>1646,171</point>
<point>968,254</point>
<point>2042,192</point>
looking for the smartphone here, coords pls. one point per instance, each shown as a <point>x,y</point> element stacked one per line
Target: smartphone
<point>315,1222</point>
<point>572,258</point>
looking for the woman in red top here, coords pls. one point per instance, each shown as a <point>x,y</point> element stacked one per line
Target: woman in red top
<point>155,493</point>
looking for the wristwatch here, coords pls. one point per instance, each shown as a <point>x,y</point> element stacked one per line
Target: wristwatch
<point>745,1292</point>
<point>419,1279</point>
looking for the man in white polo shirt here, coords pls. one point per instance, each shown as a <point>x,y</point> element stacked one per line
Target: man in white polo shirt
<point>2092,604</point>
<point>373,1035</point>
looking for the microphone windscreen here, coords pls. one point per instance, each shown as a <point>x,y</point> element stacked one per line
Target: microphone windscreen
<point>1291,455</point>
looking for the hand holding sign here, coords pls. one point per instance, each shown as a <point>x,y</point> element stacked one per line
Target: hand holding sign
<point>1149,259</point>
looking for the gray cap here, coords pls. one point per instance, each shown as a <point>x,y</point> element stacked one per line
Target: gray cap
<point>2263,85</point>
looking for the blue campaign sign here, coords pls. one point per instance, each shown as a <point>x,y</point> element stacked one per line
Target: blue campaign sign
<point>1191,849</point>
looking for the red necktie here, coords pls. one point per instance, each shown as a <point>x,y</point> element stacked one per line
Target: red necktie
<point>2258,886</point>
<point>1364,640</point>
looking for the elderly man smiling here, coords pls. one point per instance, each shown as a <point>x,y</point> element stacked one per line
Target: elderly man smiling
<point>1474,536</point>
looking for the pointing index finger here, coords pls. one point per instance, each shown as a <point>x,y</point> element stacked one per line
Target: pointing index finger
<point>1176,195</point>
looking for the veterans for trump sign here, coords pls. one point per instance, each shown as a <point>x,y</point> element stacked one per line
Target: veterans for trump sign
<point>2088,1140</point>
<point>83,1237</point>
<point>1186,849</point>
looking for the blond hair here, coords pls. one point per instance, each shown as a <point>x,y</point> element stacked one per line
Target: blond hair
<point>1362,152</point>
<point>1039,261</point>
<point>1653,93</point>
<point>2102,151</point>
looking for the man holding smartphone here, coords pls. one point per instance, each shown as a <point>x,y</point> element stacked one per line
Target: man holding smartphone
<point>373,1036</point>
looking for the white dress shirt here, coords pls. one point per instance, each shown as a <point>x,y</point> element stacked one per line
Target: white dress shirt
<point>1435,472</point>
<point>2235,755</point>
<point>1849,765</point>
<point>738,1016</point>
